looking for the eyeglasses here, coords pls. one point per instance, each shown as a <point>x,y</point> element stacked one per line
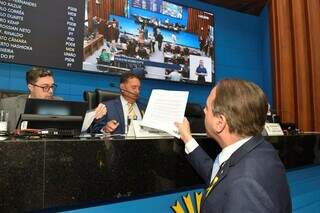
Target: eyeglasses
<point>47,87</point>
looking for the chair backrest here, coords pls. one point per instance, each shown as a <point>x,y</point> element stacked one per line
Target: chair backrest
<point>105,95</point>
<point>195,115</point>
<point>90,98</point>
<point>194,110</point>
<point>10,93</point>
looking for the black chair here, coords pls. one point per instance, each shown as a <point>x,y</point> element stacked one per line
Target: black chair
<point>105,95</point>
<point>195,115</point>
<point>93,98</point>
<point>90,98</point>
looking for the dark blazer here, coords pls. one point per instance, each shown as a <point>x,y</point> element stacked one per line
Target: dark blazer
<point>252,180</point>
<point>114,112</point>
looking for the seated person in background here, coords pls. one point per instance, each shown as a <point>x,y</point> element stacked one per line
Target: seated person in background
<point>139,70</point>
<point>105,56</point>
<point>175,75</point>
<point>123,108</point>
<point>40,84</point>
<point>142,52</point>
<point>167,48</point>
<point>201,72</point>
<point>113,48</point>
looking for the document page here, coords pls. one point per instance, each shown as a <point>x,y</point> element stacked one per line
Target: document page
<point>165,107</point>
<point>89,117</point>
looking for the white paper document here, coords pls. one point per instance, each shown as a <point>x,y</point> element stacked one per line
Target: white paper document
<point>165,107</point>
<point>144,132</point>
<point>89,117</point>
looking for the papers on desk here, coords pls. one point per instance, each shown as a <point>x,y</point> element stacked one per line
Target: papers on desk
<point>87,121</point>
<point>165,107</point>
<point>146,132</point>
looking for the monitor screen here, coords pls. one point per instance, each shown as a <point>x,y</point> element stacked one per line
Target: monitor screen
<point>41,113</point>
<point>155,39</point>
<point>159,6</point>
<point>172,10</point>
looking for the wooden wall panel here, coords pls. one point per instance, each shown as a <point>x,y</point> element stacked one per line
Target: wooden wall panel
<point>283,64</point>
<point>294,26</point>
<point>301,65</point>
<point>198,25</point>
<point>103,9</point>
<point>313,18</point>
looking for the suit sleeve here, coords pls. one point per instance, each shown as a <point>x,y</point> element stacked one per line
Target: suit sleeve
<point>202,163</point>
<point>247,195</point>
<point>97,125</point>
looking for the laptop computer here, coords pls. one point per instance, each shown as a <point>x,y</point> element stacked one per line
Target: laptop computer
<point>53,117</point>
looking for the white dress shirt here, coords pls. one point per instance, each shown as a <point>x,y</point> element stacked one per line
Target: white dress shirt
<point>223,156</point>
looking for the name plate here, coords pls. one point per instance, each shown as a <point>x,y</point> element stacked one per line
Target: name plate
<point>273,129</point>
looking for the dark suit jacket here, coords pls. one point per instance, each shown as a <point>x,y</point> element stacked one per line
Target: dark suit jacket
<point>114,112</point>
<point>252,180</point>
<point>15,107</point>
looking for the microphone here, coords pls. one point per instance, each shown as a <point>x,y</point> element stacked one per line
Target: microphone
<point>115,86</point>
<point>141,98</point>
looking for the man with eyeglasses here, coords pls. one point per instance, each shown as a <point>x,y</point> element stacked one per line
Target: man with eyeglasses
<point>40,84</point>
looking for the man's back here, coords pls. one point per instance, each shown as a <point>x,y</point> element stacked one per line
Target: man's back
<point>253,180</point>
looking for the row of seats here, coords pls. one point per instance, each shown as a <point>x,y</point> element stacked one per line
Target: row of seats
<point>98,96</point>
<point>193,112</point>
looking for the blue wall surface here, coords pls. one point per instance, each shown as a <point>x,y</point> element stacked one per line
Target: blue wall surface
<point>241,45</point>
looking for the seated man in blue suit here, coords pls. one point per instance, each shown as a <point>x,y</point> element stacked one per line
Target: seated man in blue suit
<point>120,110</point>
<point>247,175</point>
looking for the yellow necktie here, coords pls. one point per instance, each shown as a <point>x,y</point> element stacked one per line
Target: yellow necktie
<point>131,112</point>
<point>215,179</point>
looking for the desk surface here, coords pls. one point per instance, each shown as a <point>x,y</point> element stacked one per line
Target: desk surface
<point>53,173</point>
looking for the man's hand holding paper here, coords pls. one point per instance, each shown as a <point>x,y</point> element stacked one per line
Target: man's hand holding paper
<point>165,108</point>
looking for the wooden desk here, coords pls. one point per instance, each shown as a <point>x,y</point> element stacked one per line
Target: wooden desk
<point>89,47</point>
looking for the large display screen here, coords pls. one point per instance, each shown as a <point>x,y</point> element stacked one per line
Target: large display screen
<point>155,39</point>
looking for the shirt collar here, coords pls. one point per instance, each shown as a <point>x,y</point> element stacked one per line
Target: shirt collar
<point>226,152</point>
<point>123,101</point>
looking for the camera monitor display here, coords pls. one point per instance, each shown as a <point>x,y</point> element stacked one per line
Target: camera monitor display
<point>155,39</point>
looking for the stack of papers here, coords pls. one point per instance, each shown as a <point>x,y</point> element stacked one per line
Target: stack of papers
<point>165,107</point>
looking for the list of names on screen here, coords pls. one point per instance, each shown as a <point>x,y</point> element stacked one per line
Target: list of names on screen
<point>42,32</point>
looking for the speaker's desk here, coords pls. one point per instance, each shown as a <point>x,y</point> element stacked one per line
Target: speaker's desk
<point>59,173</point>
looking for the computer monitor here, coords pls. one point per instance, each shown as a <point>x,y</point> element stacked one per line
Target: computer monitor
<point>42,114</point>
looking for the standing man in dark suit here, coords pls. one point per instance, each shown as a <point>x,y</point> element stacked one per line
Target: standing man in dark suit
<point>122,109</point>
<point>247,175</point>
<point>159,39</point>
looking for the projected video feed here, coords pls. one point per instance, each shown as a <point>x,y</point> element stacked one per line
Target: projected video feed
<point>153,38</point>
<point>87,35</point>
<point>172,10</point>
